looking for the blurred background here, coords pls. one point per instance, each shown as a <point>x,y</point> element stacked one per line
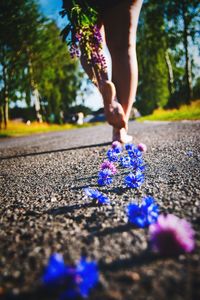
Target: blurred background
<point>40,84</point>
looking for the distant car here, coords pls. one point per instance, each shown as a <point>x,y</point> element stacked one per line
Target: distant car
<point>98,118</point>
<point>88,118</point>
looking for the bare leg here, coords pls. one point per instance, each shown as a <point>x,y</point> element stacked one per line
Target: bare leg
<point>113,110</point>
<point>120,29</point>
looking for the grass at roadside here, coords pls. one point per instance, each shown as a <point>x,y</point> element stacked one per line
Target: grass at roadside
<point>185,112</point>
<point>16,129</point>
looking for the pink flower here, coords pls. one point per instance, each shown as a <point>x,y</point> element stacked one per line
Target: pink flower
<point>142,147</point>
<point>109,165</point>
<point>171,235</point>
<point>117,146</point>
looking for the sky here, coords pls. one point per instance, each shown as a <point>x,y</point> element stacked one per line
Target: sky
<point>51,9</point>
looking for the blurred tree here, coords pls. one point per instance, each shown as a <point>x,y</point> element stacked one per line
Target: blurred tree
<point>196,89</point>
<point>58,77</point>
<point>167,31</point>
<point>153,89</point>
<point>182,19</point>
<point>33,60</point>
<point>19,21</point>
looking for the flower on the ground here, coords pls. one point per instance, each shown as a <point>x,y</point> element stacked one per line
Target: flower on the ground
<point>142,147</point>
<point>117,147</point>
<point>189,153</point>
<point>129,147</point>
<point>96,196</point>
<point>56,270</point>
<point>143,215</point>
<point>171,235</point>
<point>87,276</point>
<point>109,165</point>
<point>135,153</point>
<point>125,161</point>
<point>112,155</point>
<point>78,280</point>
<point>137,164</point>
<point>104,177</point>
<point>134,180</point>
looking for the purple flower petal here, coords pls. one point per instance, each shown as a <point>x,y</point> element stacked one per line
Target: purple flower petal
<point>171,235</point>
<point>109,165</point>
<point>142,147</point>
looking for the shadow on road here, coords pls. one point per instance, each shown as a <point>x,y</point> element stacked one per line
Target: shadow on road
<point>68,209</point>
<point>122,264</point>
<point>53,151</point>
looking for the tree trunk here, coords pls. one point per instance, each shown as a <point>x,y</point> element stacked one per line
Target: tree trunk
<point>34,91</point>
<point>5,109</point>
<point>188,78</point>
<point>1,116</point>
<point>170,73</point>
<point>5,97</point>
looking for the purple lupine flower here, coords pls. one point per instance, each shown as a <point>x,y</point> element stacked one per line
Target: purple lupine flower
<point>74,51</point>
<point>143,215</point>
<point>171,235</point>
<point>78,36</point>
<point>134,180</point>
<point>109,165</point>
<point>104,177</point>
<point>125,161</point>
<point>97,34</point>
<point>117,147</point>
<point>142,147</point>
<point>97,196</point>
<point>112,155</point>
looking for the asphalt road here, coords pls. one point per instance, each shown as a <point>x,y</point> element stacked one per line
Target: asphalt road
<point>43,210</point>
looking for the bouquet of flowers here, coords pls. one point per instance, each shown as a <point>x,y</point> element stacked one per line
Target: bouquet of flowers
<point>83,35</point>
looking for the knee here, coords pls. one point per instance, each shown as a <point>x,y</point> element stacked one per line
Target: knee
<point>122,49</point>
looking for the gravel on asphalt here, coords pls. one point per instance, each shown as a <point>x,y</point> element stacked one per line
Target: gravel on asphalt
<point>43,210</point>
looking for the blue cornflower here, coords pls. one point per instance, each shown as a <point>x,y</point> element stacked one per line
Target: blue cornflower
<point>56,271</point>
<point>78,280</point>
<point>134,180</point>
<point>96,195</point>
<point>87,276</point>
<point>143,215</point>
<point>129,147</point>
<point>104,177</point>
<point>105,181</point>
<point>189,153</point>
<point>135,153</point>
<point>125,161</point>
<point>137,164</point>
<point>112,155</point>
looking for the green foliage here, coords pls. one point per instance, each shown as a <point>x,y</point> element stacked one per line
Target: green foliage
<point>153,81</point>
<point>166,34</point>
<point>33,57</point>
<point>197,89</point>
<point>58,77</point>
<point>185,112</point>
